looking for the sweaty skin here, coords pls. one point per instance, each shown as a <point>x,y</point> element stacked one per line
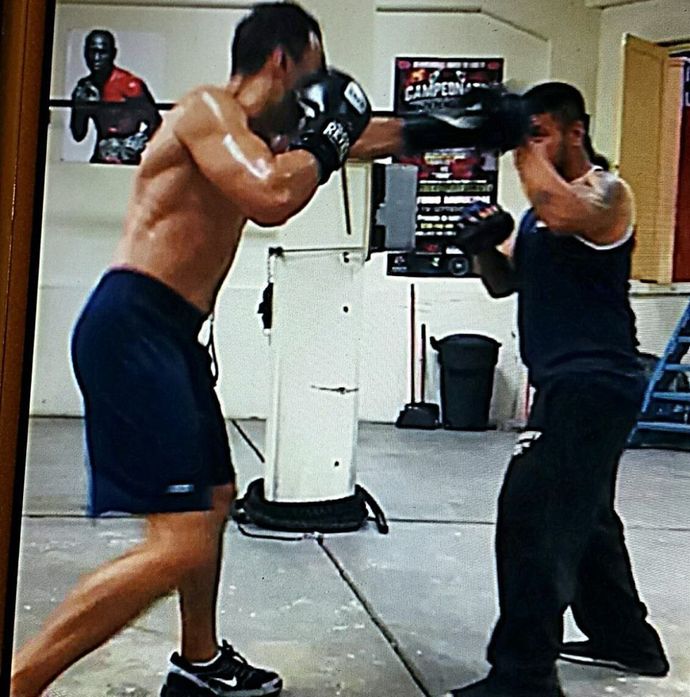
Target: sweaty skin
<point>204,174</point>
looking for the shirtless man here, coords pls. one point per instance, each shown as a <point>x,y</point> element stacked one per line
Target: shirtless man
<point>156,437</point>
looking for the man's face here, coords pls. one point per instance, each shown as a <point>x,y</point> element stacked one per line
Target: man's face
<point>549,132</point>
<point>99,53</point>
<point>282,114</point>
<point>312,61</point>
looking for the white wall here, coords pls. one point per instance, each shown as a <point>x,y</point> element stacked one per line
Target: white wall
<point>446,305</point>
<point>84,204</point>
<point>653,20</point>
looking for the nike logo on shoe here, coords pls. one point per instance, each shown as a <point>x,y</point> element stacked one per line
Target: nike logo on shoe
<point>232,682</point>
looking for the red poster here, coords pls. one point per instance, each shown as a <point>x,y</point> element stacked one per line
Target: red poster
<point>449,179</point>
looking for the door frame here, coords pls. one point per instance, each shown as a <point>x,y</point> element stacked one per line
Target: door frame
<point>25,61</point>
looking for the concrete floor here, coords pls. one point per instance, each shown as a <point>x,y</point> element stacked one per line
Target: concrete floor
<point>359,614</point>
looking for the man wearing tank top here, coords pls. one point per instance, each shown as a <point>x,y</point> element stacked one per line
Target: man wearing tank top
<point>559,540</point>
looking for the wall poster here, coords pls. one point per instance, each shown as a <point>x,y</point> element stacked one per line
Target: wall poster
<point>112,112</point>
<point>448,179</point>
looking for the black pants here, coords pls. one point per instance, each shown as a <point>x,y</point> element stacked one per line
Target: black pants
<point>559,541</point>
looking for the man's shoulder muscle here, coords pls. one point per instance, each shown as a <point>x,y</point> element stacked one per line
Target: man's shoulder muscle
<point>606,189</point>
<point>209,109</point>
<point>613,196</point>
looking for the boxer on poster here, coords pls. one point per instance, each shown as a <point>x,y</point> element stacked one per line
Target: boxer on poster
<point>119,104</point>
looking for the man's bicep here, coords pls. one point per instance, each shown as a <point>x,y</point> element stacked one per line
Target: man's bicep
<point>607,205</point>
<point>601,193</point>
<point>223,151</point>
<point>150,106</point>
<point>226,163</point>
<point>247,173</point>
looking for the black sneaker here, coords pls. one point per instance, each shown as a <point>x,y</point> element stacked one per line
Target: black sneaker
<point>627,660</point>
<point>228,676</point>
<point>495,687</point>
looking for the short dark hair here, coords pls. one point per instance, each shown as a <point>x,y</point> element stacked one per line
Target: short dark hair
<point>567,105</point>
<point>563,101</point>
<point>100,32</point>
<point>269,26</point>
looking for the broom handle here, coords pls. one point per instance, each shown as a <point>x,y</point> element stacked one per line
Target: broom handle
<point>422,396</point>
<point>413,340</point>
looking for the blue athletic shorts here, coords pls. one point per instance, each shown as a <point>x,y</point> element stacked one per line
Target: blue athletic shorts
<point>155,434</point>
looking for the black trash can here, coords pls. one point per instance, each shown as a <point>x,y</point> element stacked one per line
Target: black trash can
<point>468,363</point>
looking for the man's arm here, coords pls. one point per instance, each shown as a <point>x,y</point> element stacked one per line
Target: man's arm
<point>383,137</point>
<point>83,95</point>
<point>496,271</point>
<point>78,123</point>
<point>267,188</point>
<point>600,213</point>
<point>270,188</point>
<point>488,118</point>
<point>149,112</point>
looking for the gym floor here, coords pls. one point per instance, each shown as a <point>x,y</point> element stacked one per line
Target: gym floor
<point>357,614</point>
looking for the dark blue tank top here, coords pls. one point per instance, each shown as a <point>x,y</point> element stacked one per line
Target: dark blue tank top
<point>574,315</point>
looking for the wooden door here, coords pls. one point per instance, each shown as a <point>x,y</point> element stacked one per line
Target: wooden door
<point>649,151</point>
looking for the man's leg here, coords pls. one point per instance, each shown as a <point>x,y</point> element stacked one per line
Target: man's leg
<point>534,549</point>
<point>608,609</point>
<point>549,504</point>
<point>606,604</point>
<point>175,545</point>
<point>205,666</point>
<point>199,590</point>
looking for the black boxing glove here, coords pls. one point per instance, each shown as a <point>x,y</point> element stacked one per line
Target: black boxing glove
<point>86,91</point>
<point>482,226</point>
<point>488,117</point>
<point>336,111</point>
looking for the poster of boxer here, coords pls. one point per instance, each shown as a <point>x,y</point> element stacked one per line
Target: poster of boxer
<point>448,179</point>
<point>113,112</point>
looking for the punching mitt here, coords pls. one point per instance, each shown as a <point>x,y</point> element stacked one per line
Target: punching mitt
<point>489,118</point>
<point>336,111</point>
<point>482,227</point>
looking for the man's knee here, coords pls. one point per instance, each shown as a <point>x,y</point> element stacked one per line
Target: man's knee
<point>183,543</point>
<point>186,560</point>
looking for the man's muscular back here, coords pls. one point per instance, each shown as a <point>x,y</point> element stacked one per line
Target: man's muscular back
<point>204,174</point>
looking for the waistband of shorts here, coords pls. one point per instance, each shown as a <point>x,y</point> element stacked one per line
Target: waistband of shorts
<point>156,296</point>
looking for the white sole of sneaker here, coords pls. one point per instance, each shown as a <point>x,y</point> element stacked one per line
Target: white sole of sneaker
<point>270,689</point>
<point>605,663</point>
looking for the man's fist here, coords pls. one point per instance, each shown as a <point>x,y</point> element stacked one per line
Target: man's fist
<point>86,91</point>
<point>482,227</point>
<point>336,111</point>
